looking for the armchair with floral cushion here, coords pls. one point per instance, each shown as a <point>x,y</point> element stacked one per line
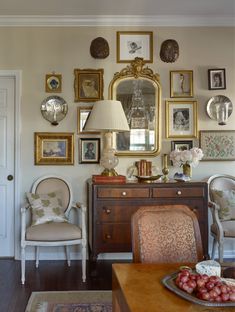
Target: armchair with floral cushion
<point>221,189</point>
<point>45,220</point>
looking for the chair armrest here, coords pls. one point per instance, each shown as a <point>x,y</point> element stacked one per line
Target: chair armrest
<point>23,210</point>
<point>214,208</point>
<point>82,211</point>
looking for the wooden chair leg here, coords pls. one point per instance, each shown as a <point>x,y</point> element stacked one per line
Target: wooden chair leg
<point>23,265</point>
<point>221,251</point>
<point>84,262</point>
<point>37,256</point>
<point>68,255</point>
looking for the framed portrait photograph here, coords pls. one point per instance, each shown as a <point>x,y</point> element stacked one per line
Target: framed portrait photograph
<point>217,144</point>
<point>132,44</point>
<point>82,115</point>
<point>89,150</point>
<point>181,119</point>
<point>216,79</point>
<point>53,83</point>
<point>88,85</point>
<point>54,148</point>
<point>181,145</point>
<point>181,83</point>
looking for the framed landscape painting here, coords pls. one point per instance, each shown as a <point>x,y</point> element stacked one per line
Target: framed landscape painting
<point>217,145</point>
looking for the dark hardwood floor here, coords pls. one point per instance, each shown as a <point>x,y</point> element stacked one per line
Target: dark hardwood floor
<point>50,275</point>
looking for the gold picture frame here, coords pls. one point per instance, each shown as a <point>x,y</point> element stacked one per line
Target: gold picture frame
<point>132,44</point>
<point>181,83</point>
<point>82,115</point>
<point>54,148</point>
<point>88,85</point>
<point>181,119</point>
<point>53,83</point>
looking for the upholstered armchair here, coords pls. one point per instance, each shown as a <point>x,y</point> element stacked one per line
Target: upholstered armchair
<point>45,220</point>
<point>167,234</point>
<point>221,189</point>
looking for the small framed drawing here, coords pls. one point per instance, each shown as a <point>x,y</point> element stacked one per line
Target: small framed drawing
<point>89,151</point>
<point>132,44</point>
<point>181,145</point>
<point>83,113</point>
<point>181,119</point>
<point>217,144</point>
<point>54,148</point>
<point>181,83</point>
<point>216,79</point>
<point>53,83</point>
<point>88,85</point>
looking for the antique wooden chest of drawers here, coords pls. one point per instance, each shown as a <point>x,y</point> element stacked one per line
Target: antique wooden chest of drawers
<point>110,207</point>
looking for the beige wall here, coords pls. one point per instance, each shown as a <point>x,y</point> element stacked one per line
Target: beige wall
<point>38,51</point>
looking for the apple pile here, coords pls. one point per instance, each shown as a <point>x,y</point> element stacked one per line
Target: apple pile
<point>205,287</point>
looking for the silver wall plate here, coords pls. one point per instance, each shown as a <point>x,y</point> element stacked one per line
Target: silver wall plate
<point>211,108</point>
<point>54,109</point>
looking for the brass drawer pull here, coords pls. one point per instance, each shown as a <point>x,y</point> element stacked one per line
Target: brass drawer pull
<point>178,192</point>
<point>123,193</point>
<point>107,210</point>
<point>107,236</point>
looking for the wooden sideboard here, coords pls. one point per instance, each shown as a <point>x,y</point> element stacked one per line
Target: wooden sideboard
<point>110,207</point>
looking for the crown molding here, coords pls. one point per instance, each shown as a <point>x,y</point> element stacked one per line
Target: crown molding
<point>115,20</point>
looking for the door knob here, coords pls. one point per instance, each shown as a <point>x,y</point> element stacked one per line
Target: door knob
<point>10,177</point>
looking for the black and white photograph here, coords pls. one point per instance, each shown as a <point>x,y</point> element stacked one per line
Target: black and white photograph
<point>216,79</point>
<point>132,44</point>
<point>181,145</point>
<point>181,119</point>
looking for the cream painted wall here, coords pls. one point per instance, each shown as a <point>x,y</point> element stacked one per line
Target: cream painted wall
<point>38,51</point>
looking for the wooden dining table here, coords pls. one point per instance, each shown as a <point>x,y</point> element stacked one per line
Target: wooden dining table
<point>138,287</point>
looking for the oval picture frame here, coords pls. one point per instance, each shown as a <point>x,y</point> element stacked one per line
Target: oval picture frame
<point>53,83</point>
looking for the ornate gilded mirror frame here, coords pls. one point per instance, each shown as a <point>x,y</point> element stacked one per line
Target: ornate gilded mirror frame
<point>139,90</point>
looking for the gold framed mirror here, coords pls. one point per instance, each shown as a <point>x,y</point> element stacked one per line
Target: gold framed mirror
<point>139,90</point>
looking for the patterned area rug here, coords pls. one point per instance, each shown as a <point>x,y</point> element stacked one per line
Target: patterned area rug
<point>70,301</point>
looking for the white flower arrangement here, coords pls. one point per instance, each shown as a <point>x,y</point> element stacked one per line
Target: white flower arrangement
<point>191,157</point>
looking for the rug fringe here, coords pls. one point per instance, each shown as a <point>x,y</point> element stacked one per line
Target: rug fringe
<point>41,307</point>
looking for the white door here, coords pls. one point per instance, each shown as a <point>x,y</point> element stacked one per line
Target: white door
<point>7,163</point>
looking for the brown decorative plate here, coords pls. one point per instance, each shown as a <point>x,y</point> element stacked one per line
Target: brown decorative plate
<point>148,179</point>
<point>168,282</point>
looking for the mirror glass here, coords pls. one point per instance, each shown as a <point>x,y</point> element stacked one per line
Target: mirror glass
<point>139,91</point>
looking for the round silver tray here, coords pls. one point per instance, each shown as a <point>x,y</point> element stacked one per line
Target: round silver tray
<point>211,108</point>
<point>54,109</point>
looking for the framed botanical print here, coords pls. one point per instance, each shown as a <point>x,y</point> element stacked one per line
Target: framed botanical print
<point>53,83</point>
<point>89,150</point>
<point>181,145</point>
<point>88,85</point>
<point>181,83</point>
<point>132,44</point>
<point>181,119</point>
<point>216,79</point>
<point>82,115</point>
<point>217,144</point>
<point>54,148</point>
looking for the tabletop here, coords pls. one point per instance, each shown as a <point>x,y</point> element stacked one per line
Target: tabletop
<point>138,287</point>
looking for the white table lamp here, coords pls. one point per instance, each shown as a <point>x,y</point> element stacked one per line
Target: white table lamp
<point>107,116</point>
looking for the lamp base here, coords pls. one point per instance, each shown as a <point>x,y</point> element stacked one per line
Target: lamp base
<point>109,172</point>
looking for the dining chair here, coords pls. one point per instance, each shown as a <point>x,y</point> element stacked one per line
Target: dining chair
<point>166,234</point>
<point>45,220</point>
<point>221,195</point>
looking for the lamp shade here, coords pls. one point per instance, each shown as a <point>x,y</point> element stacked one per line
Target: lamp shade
<point>107,115</point>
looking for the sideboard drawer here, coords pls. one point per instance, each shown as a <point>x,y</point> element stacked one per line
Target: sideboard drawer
<point>178,192</point>
<point>114,213</point>
<point>123,192</point>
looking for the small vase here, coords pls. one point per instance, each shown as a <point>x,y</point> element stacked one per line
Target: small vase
<point>187,170</point>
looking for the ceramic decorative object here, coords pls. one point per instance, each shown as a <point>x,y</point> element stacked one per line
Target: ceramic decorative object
<point>99,48</point>
<point>169,52</point>
<point>180,177</point>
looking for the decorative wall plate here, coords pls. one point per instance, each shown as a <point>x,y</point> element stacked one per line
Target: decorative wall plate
<point>211,108</point>
<point>54,109</point>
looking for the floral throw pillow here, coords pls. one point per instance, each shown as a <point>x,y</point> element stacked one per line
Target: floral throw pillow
<point>226,201</point>
<point>46,208</point>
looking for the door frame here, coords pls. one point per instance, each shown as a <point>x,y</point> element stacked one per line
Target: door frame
<point>17,76</point>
